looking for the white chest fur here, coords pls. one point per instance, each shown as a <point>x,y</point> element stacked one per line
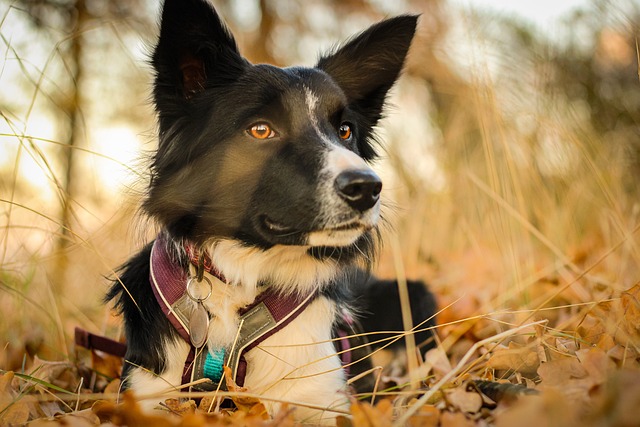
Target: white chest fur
<point>299,364</point>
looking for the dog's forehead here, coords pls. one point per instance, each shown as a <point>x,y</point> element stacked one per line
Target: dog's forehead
<point>304,84</point>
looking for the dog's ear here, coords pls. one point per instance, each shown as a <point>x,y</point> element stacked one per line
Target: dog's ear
<point>195,50</point>
<point>368,65</point>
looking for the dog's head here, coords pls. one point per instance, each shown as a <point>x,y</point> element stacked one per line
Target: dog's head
<point>265,155</point>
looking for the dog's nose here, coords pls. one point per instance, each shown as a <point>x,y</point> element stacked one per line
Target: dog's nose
<point>360,188</point>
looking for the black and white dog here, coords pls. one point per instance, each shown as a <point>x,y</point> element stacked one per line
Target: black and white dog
<point>266,203</point>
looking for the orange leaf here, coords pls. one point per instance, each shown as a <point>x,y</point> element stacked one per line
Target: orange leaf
<point>12,410</point>
<point>365,415</point>
<point>455,419</point>
<point>596,362</point>
<point>248,404</point>
<point>468,402</point>
<point>520,359</point>
<point>180,407</point>
<point>631,313</point>
<point>427,416</point>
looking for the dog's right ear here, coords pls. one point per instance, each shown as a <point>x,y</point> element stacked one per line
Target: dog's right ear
<point>195,51</point>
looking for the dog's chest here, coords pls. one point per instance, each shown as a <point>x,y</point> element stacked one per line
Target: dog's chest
<point>223,306</point>
<point>299,363</point>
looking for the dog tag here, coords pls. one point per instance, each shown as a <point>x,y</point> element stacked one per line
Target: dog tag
<point>199,326</point>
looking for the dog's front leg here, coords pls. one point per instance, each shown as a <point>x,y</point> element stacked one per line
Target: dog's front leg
<point>153,387</point>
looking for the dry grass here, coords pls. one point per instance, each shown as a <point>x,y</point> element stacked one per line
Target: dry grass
<point>530,244</point>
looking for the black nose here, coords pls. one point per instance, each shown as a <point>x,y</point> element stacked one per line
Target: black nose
<point>360,188</point>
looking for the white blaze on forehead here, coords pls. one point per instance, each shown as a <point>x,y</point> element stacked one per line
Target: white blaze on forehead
<point>311,100</point>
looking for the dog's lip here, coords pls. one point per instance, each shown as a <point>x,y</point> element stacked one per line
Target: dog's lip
<point>275,227</point>
<point>280,229</point>
<point>347,226</point>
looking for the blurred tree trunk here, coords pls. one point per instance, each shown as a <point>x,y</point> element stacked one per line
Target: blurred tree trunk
<point>75,131</point>
<point>78,50</point>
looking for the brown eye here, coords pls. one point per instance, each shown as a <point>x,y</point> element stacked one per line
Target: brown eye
<point>345,132</point>
<point>261,131</point>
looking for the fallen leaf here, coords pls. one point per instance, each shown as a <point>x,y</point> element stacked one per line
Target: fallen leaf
<point>464,401</point>
<point>596,362</point>
<point>557,372</point>
<point>13,411</point>
<point>548,409</point>
<point>522,359</point>
<point>437,359</point>
<point>106,364</point>
<point>455,419</point>
<point>365,415</point>
<point>592,330</point>
<point>113,387</point>
<point>244,403</point>
<point>60,374</point>
<point>630,318</point>
<point>180,406</point>
<point>427,416</point>
<point>128,413</point>
<point>616,403</point>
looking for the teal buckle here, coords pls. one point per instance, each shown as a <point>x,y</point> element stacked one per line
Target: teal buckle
<point>213,364</point>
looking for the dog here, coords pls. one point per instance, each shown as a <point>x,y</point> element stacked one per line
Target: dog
<point>268,212</point>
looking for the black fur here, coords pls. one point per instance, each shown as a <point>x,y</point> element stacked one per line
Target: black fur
<point>381,311</point>
<point>146,326</point>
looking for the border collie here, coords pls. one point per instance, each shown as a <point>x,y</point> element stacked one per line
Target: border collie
<point>261,186</point>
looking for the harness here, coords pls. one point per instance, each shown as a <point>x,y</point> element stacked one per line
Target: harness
<point>269,313</point>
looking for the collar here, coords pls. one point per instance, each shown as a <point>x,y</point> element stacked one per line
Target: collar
<point>268,314</point>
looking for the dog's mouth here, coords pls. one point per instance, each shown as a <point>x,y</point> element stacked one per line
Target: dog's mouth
<point>351,225</point>
<point>341,234</point>
<point>276,228</point>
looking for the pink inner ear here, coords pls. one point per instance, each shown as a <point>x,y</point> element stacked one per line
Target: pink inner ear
<point>193,75</point>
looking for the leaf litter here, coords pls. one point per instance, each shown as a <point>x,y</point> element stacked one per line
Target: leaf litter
<point>587,373</point>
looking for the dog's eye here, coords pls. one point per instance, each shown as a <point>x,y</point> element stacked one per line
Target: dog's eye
<point>261,131</point>
<point>345,132</point>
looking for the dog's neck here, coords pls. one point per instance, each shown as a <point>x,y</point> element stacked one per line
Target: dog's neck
<point>289,269</point>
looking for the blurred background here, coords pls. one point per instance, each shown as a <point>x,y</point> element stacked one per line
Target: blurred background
<point>511,158</point>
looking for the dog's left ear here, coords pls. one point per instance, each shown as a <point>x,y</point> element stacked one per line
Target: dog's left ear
<point>368,65</point>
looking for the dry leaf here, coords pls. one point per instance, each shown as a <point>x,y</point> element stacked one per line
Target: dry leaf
<point>596,362</point>
<point>517,358</point>
<point>427,416</point>
<point>616,403</point>
<point>558,371</point>
<point>105,364</point>
<point>61,374</point>
<point>365,415</point>
<point>464,401</point>
<point>128,413</point>
<point>13,411</point>
<point>548,409</point>
<point>592,330</point>
<point>567,376</point>
<point>113,387</point>
<point>455,419</point>
<point>181,406</point>
<point>437,359</point>
<point>84,418</point>
<point>630,318</point>
<point>248,404</point>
